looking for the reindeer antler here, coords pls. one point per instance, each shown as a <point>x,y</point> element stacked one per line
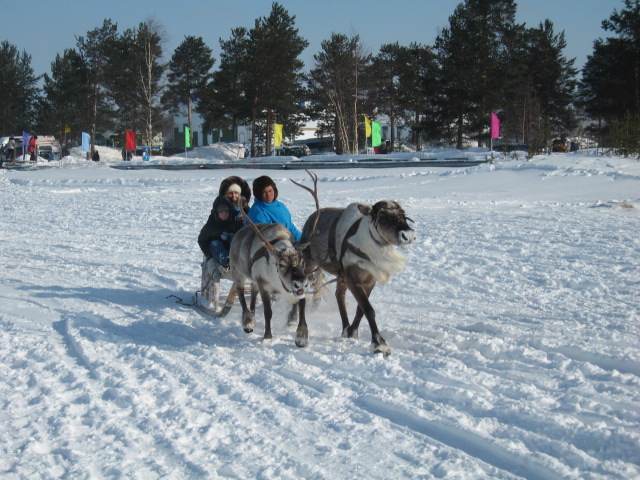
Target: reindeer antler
<point>266,242</point>
<point>314,193</point>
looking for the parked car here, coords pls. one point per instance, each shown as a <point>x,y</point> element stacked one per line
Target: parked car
<point>291,151</point>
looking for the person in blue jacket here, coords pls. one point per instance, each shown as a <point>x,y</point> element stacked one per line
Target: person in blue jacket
<point>267,208</point>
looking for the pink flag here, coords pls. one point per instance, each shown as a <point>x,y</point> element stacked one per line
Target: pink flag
<point>495,126</point>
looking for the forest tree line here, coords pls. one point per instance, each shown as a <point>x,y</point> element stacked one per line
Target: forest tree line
<point>481,62</point>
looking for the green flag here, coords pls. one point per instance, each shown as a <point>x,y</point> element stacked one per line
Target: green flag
<point>187,137</point>
<point>376,134</point>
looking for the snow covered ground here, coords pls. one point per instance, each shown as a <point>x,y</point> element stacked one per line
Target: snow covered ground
<point>514,328</point>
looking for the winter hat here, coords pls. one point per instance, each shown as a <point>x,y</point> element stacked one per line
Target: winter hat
<point>245,189</point>
<point>260,183</point>
<point>222,204</point>
<point>234,187</point>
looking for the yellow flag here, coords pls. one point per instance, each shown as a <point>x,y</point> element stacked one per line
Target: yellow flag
<point>367,127</point>
<point>277,134</point>
<point>67,128</point>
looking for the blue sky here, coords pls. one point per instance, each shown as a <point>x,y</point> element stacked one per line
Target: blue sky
<point>46,28</point>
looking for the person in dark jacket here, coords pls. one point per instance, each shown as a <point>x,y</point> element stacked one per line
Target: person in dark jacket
<point>216,235</point>
<point>231,189</point>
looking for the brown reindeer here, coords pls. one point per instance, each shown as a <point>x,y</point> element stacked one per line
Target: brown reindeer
<point>358,244</point>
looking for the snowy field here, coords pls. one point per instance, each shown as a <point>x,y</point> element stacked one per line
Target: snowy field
<point>515,332</point>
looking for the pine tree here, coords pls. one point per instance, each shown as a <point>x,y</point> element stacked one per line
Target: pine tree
<point>135,81</point>
<point>19,91</point>
<point>223,103</point>
<point>472,52</point>
<point>610,87</point>
<point>189,72</point>
<point>274,80</point>
<point>67,96</point>
<point>96,49</point>
<point>539,90</point>
<point>387,67</point>
<point>336,84</point>
<point>417,89</point>
<point>403,79</point>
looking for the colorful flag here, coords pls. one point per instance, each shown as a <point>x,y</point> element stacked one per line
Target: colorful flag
<point>376,134</point>
<point>495,126</point>
<point>130,143</point>
<point>86,142</point>
<point>367,127</point>
<point>187,137</point>
<point>277,134</point>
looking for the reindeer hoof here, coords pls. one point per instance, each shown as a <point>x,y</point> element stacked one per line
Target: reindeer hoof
<point>382,348</point>
<point>349,333</point>
<point>248,322</point>
<point>302,342</point>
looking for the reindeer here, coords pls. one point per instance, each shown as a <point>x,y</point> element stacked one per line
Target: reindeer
<point>358,244</point>
<point>267,255</point>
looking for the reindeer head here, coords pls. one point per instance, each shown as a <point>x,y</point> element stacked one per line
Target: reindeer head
<point>391,223</point>
<point>290,263</point>
<point>288,258</point>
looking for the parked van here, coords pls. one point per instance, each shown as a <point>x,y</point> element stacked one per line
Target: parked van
<point>48,147</point>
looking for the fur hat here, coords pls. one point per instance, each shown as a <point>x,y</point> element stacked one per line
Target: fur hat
<point>234,187</point>
<point>245,190</point>
<point>260,183</point>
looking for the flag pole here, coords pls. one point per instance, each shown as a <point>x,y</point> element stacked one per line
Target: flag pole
<point>491,136</point>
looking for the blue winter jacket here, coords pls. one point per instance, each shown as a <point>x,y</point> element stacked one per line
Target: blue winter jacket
<point>275,212</point>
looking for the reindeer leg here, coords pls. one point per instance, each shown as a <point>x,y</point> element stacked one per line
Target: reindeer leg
<point>318,288</point>
<point>254,295</point>
<point>302,333</point>
<point>248,320</point>
<point>361,294</point>
<point>266,303</point>
<point>352,330</point>
<point>341,290</point>
<point>293,313</point>
<point>355,325</point>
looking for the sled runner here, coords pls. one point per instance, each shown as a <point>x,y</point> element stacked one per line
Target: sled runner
<point>208,301</point>
<point>226,308</point>
<point>205,307</point>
